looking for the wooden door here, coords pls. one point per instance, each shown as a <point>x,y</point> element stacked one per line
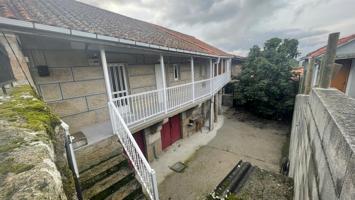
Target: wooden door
<point>165,136</point>
<point>175,128</point>
<point>170,132</point>
<point>340,79</point>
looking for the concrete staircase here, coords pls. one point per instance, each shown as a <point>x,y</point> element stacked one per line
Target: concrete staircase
<point>105,172</point>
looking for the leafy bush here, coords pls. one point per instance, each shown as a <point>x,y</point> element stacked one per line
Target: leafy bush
<point>265,84</point>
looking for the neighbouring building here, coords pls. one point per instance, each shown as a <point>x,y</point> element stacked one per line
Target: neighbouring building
<point>236,66</point>
<point>344,76</point>
<point>108,75</point>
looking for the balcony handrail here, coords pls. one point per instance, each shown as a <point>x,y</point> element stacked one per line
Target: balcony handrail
<point>145,105</point>
<point>137,94</point>
<point>180,85</point>
<point>146,174</point>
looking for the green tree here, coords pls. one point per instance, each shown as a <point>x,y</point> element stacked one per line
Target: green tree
<point>265,84</point>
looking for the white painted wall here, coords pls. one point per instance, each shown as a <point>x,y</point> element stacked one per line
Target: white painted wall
<point>350,88</point>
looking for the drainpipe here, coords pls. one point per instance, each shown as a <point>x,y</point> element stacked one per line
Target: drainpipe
<point>71,158</point>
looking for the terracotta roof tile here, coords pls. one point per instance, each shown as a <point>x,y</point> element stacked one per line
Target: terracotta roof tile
<point>322,50</point>
<point>79,16</point>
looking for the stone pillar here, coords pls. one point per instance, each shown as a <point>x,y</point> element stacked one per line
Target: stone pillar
<point>215,108</point>
<point>326,68</point>
<point>220,109</point>
<point>211,115</point>
<point>153,141</point>
<point>309,75</point>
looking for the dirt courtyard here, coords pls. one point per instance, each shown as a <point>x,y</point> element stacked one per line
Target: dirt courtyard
<point>242,137</point>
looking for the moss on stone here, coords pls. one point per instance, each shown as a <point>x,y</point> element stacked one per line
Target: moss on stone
<point>10,166</point>
<point>28,110</point>
<point>13,144</point>
<point>24,110</point>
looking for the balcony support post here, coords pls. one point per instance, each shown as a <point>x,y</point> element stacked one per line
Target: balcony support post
<point>193,79</point>
<point>162,66</point>
<point>106,75</point>
<point>211,76</point>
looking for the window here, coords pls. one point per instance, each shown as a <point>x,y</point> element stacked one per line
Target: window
<point>176,69</point>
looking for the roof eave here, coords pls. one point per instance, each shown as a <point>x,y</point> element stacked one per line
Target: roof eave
<point>94,36</point>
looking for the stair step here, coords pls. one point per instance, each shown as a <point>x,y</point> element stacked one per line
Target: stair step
<point>88,181</point>
<point>101,168</point>
<point>100,188</point>
<point>129,191</point>
<point>93,154</point>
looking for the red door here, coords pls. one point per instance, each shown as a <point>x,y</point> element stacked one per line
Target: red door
<point>175,128</point>
<point>170,132</point>
<point>165,135</point>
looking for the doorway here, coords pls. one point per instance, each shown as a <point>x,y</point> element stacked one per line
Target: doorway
<point>118,80</point>
<point>170,132</point>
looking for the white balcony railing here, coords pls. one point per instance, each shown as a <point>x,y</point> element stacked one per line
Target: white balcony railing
<point>144,106</point>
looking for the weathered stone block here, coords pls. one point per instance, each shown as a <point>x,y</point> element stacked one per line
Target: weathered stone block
<point>50,92</point>
<point>141,81</point>
<point>77,121</point>
<point>69,106</point>
<point>97,101</point>
<point>88,156</point>
<point>141,70</point>
<point>55,75</point>
<point>38,57</point>
<point>66,58</point>
<point>82,88</point>
<point>87,73</point>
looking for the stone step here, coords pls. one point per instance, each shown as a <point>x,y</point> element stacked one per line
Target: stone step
<point>102,170</point>
<point>93,154</point>
<point>130,191</point>
<point>100,189</point>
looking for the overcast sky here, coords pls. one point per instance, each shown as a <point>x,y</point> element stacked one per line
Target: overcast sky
<point>236,25</point>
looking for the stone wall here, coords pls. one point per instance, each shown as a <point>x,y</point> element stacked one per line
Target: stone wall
<point>33,163</point>
<point>322,159</point>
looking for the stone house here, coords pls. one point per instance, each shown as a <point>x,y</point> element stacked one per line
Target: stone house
<point>344,76</point>
<point>107,75</point>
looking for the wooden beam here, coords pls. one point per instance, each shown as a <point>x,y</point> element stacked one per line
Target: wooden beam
<point>309,75</point>
<point>328,61</point>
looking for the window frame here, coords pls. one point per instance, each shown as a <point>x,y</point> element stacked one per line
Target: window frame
<point>176,72</point>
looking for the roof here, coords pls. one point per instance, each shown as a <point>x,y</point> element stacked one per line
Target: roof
<point>75,15</point>
<point>322,50</point>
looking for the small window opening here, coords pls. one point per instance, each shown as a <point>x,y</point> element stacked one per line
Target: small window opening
<point>176,68</point>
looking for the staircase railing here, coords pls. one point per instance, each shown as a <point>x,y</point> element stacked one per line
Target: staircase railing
<point>146,174</point>
<point>135,108</point>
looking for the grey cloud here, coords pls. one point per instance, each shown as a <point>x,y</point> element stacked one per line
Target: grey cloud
<point>239,24</point>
